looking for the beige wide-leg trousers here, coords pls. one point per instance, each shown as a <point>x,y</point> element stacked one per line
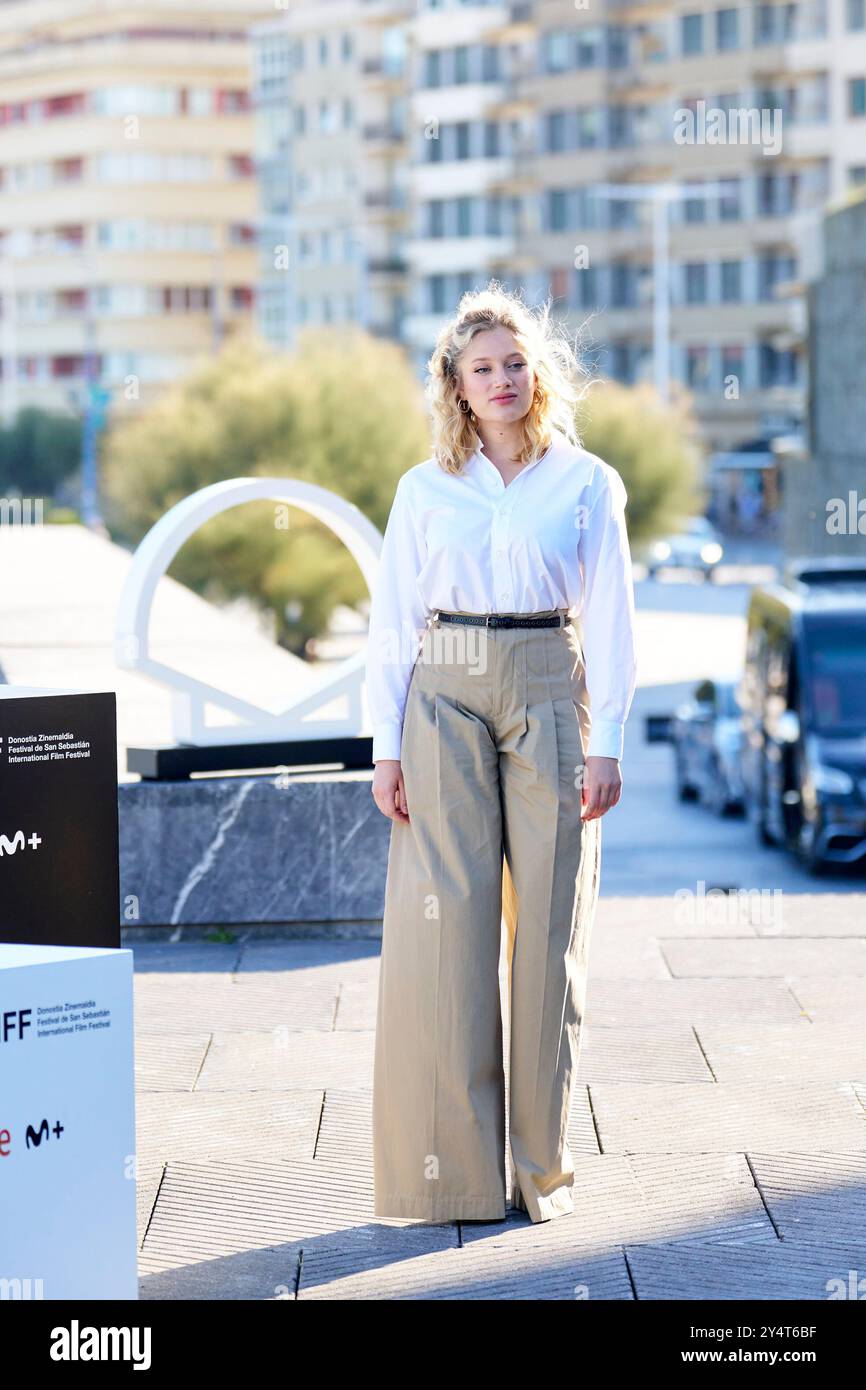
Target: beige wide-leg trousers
<point>495,728</point>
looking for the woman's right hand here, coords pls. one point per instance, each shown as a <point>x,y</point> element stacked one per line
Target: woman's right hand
<point>389,792</point>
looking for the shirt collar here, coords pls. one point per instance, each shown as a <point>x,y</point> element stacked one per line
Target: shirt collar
<point>556,438</point>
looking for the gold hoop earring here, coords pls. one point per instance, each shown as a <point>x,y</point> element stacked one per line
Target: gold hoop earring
<point>464,405</point>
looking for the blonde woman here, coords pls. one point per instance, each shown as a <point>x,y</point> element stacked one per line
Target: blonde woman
<point>497,740</point>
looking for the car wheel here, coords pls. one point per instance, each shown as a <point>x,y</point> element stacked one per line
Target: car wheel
<point>685,790</point>
<point>814,863</point>
<point>765,835</point>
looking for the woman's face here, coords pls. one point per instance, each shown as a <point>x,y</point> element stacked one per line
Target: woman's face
<point>495,377</point>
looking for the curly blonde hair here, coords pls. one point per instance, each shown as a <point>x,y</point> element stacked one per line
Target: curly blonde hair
<point>549,353</point>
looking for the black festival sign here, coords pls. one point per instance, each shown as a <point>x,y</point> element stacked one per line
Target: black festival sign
<point>59,875</point>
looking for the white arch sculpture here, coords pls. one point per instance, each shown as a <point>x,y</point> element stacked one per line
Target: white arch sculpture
<point>189,696</point>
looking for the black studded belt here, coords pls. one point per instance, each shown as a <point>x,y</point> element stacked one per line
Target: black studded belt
<point>502,619</point>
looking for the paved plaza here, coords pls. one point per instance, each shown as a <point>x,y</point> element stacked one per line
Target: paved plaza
<point>718,1128</point>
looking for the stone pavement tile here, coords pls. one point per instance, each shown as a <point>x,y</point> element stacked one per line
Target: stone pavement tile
<point>619,1198</point>
<point>581,1135</point>
<point>283,1061</point>
<point>210,1124</point>
<point>174,1004</point>
<point>356,1006</point>
<point>345,1132</point>
<point>346,1129</point>
<point>805,1049</point>
<point>783,1270</point>
<point>612,1003</point>
<point>670,916</point>
<point>632,1053</point>
<point>830,998</point>
<point>350,962</point>
<point>148,1176</point>
<point>817,1196</point>
<point>265,1275</point>
<point>168,1061</point>
<point>730,1116</point>
<point>816,914</point>
<point>480,1271</point>
<point>780,956</point>
<point>223,1224</point>
<point>625,954</point>
<point>185,957</point>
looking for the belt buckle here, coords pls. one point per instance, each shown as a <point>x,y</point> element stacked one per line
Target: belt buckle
<point>487,618</point>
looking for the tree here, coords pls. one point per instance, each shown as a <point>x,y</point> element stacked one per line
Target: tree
<point>344,411</point>
<point>37,451</point>
<point>653,447</point>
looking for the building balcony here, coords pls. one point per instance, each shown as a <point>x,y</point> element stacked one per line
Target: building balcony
<point>440,255</point>
<point>383,137</point>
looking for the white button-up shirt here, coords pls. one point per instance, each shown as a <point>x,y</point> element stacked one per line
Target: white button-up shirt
<point>554,537</point>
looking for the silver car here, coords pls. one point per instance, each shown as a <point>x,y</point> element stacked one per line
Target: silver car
<point>697,547</point>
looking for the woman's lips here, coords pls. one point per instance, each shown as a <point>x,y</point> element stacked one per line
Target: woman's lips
<point>511,396</point>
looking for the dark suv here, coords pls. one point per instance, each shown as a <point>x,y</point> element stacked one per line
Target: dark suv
<point>803,696</point>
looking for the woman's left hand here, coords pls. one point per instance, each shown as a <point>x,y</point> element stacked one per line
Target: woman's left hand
<point>602,785</point>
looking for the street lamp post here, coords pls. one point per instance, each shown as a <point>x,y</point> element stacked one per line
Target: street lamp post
<point>661,196</point>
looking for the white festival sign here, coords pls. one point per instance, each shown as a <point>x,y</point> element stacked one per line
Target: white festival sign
<point>190,696</point>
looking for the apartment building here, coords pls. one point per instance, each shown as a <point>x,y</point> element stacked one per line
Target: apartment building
<point>331,94</point>
<point>534,142</point>
<point>128,194</point>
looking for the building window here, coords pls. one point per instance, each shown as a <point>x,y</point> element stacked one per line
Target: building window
<point>323,52</point>
<point>587,287</point>
<point>556,51</point>
<point>462,140</point>
<point>346,48</point>
<point>560,283</point>
<point>776,368</point>
<point>464,216</point>
<point>589,127</point>
<point>729,201</point>
<point>697,367</point>
<point>857,96</point>
<point>855,14</point>
<point>490,63</point>
<point>557,210</point>
<point>692,33</point>
<point>733,363</point>
<point>589,47</point>
<point>436,217</point>
<point>621,286</point>
<point>438,294</point>
<point>773,271</point>
<point>554,122</point>
<point>731,282</point>
<point>461,64</point>
<point>491,139</point>
<point>696,282</point>
<point>433,67</point>
<point>727,29</point>
<point>694,208</point>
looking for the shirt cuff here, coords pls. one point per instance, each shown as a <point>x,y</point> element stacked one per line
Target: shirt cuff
<point>606,739</point>
<point>387,739</point>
